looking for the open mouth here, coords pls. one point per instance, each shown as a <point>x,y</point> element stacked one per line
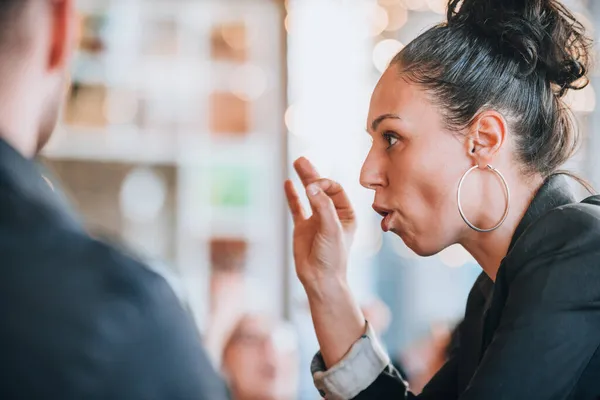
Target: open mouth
<point>387,216</point>
<point>381,211</point>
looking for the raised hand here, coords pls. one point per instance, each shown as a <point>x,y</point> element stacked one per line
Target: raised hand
<point>321,244</point>
<point>321,241</point>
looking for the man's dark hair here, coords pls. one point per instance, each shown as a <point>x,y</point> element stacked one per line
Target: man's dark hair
<point>10,13</point>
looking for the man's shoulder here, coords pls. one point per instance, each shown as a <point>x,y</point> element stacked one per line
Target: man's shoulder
<point>76,263</point>
<point>105,323</point>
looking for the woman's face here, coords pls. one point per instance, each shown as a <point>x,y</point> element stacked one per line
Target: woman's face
<point>414,166</point>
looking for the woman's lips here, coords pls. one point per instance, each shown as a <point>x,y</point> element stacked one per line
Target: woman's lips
<point>386,213</point>
<point>385,222</point>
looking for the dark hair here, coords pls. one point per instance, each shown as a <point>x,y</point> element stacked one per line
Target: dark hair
<point>10,11</point>
<point>518,57</point>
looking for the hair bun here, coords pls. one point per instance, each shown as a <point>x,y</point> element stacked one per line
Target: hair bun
<point>540,35</point>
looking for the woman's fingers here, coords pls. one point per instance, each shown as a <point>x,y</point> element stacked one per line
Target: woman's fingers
<point>336,192</point>
<point>324,208</point>
<point>332,190</point>
<point>306,171</point>
<point>309,175</point>
<point>294,203</point>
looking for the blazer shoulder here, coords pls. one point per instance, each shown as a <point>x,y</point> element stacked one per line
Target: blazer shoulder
<point>563,244</point>
<point>574,225</point>
<point>100,266</point>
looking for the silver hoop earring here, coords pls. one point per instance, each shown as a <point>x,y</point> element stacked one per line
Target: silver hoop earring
<point>460,209</point>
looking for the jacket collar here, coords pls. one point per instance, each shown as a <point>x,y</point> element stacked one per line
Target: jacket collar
<point>554,192</point>
<point>23,178</point>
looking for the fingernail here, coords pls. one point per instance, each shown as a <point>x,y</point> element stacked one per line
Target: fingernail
<point>313,190</point>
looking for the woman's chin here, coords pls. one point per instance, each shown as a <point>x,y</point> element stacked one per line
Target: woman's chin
<point>418,245</point>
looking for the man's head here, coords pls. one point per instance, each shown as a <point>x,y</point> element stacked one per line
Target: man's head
<point>36,40</point>
<point>260,360</point>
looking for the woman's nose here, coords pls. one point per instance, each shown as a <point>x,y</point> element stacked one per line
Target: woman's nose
<point>372,174</point>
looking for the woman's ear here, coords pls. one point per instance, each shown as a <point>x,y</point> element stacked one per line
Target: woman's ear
<point>486,137</point>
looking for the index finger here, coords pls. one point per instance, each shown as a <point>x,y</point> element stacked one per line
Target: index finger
<point>294,202</point>
<point>336,192</point>
<point>306,171</point>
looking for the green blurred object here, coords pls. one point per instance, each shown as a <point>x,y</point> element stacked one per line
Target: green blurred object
<point>230,186</point>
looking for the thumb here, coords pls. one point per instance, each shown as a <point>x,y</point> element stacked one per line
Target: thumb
<point>324,208</point>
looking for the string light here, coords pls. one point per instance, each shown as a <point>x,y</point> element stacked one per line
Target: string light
<point>397,18</point>
<point>290,118</point>
<point>390,2</point>
<point>379,18</point>
<point>142,195</point>
<point>437,6</point>
<point>582,101</point>
<point>248,82</point>
<point>384,51</point>
<point>416,5</point>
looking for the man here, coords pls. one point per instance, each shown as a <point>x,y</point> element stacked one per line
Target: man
<point>256,352</point>
<point>78,319</point>
<point>260,359</point>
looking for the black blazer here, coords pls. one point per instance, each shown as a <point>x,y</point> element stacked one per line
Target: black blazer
<point>78,319</point>
<point>535,332</point>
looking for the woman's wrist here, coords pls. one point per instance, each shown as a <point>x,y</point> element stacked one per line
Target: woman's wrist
<point>337,318</point>
<point>324,286</point>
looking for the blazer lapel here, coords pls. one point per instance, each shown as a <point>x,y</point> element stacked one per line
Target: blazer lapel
<point>555,192</point>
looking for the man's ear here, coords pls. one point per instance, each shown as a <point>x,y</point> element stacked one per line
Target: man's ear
<point>63,33</point>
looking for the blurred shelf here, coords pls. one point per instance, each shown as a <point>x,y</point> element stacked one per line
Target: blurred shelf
<point>132,145</point>
<point>232,224</point>
<point>112,144</point>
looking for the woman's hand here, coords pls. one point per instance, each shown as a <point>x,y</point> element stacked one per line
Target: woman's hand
<point>321,241</point>
<point>321,244</point>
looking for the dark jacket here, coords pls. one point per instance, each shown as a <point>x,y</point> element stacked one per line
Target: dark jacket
<point>535,332</point>
<point>79,319</point>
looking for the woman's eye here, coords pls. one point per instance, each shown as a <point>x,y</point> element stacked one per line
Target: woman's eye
<point>391,139</point>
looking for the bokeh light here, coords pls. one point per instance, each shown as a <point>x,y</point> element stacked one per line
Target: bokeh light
<point>143,195</point>
<point>437,6</point>
<point>455,256</point>
<point>416,5</point>
<point>397,17</point>
<point>384,51</point>
<point>378,17</point>
<point>582,101</point>
<point>248,82</point>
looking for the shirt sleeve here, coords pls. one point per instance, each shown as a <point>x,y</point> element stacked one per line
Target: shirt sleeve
<point>359,368</point>
<point>366,373</point>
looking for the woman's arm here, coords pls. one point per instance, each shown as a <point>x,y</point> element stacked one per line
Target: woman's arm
<point>321,244</point>
<point>337,319</point>
<point>353,358</point>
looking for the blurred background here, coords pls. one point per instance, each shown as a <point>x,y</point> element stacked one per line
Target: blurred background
<point>181,126</point>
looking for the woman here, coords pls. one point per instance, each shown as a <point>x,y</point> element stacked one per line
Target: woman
<point>469,130</point>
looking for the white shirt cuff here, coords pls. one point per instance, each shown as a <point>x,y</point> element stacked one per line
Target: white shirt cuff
<point>359,368</point>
